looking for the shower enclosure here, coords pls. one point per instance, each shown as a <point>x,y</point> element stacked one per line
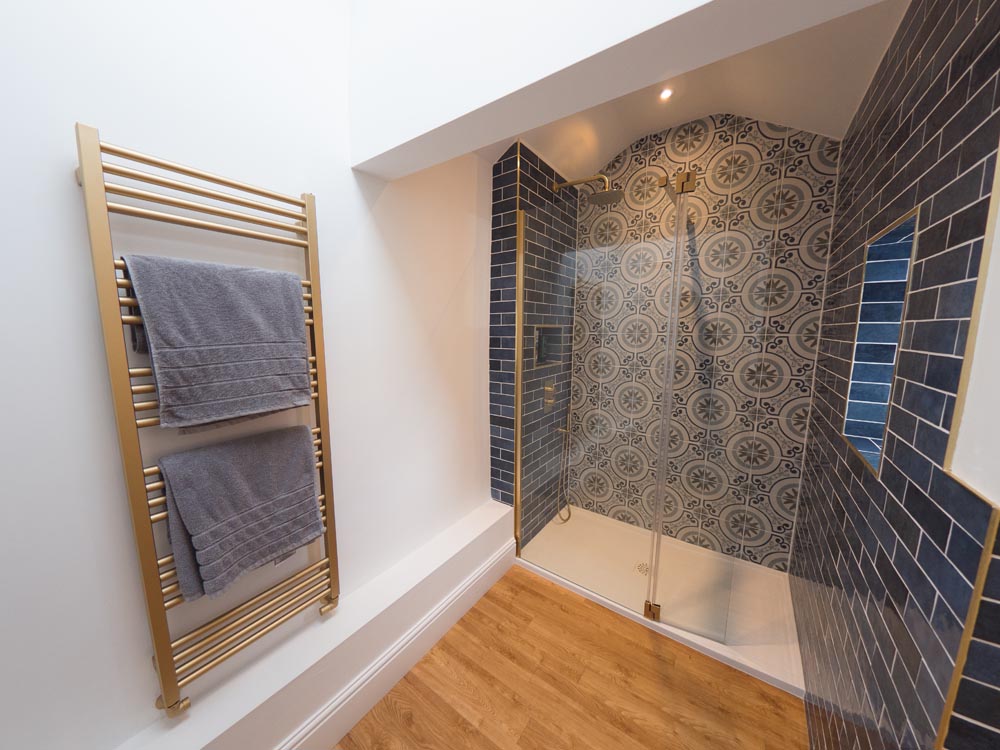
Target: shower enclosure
<point>656,491</point>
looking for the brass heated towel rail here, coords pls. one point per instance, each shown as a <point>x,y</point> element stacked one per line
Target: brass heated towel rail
<point>280,219</point>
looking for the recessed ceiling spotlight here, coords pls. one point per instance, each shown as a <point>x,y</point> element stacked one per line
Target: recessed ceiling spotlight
<point>666,94</point>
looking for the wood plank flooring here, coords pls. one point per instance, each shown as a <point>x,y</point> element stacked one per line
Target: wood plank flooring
<point>533,665</point>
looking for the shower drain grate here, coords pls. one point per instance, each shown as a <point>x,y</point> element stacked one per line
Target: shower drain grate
<point>642,568</point>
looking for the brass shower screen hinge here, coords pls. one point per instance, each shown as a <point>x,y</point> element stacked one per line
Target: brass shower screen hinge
<point>651,611</point>
<point>686,182</point>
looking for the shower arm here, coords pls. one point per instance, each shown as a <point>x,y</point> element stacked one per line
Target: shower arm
<point>557,186</point>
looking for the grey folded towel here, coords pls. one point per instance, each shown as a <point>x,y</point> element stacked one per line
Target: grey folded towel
<point>225,341</point>
<point>235,506</point>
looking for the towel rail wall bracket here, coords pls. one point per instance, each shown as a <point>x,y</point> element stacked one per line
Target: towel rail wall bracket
<point>182,659</point>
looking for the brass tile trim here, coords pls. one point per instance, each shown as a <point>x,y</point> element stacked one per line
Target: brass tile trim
<point>970,626</point>
<point>518,351</point>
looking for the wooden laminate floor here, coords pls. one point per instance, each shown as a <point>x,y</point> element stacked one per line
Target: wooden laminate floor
<point>533,665</point>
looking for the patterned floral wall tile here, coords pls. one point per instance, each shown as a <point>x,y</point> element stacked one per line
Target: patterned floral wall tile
<point>753,242</point>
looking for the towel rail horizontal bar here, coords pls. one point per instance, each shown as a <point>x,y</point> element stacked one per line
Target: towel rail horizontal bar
<point>171,603</point>
<point>167,200</point>
<point>186,187</point>
<point>170,166</point>
<point>127,284</point>
<point>184,221</point>
<point>237,648</point>
<point>161,500</point>
<point>133,302</point>
<point>136,320</point>
<point>143,388</point>
<point>173,588</point>
<point>168,574</point>
<point>281,599</point>
<point>192,662</point>
<point>165,561</point>
<point>139,406</point>
<point>250,603</point>
<point>140,372</point>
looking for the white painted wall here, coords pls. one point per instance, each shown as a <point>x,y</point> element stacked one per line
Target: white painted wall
<point>433,80</point>
<point>257,91</point>
<point>423,64</point>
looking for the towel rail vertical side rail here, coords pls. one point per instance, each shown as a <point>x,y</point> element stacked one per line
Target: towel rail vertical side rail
<point>102,255</point>
<point>322,413</point>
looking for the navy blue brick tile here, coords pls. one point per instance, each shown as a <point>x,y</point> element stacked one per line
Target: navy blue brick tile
<point>934,521</point>
<point>864,429</point>
<point>952,586</point>
<point>896,270</point>
<point>969,511</point>
<point>969,223</point>
<point>992,590</point>
<point>883,291</point>
<point>879,312</point>
<point>868,412</point>
<point>965,735</point>
<point>956,300</point>
<point>935,336</point>
<point>932,442</point>
<point>943,373</point>
<point>869,373</point>
<point>946,267</point>
<point>924,402</point>
<point>880,333</point>
<point>875,353</point>
<point>983,661</point>
<point>869,392</point>
<point>965,554</point>
<point>978,702</point>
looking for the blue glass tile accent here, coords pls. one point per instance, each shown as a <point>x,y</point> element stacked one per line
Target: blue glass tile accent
<point>883,291</point>
<point>880,333</point>
<point>875,353</point>
<point>866,373</point>
<point>887,311</point>
<point>877,336</point>
<point>868,412</point>
<point>869,392</point>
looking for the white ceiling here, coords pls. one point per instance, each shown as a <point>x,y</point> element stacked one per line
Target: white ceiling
<point>812,80</point>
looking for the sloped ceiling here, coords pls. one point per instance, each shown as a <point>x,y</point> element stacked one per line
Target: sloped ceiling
<point>813,80</point>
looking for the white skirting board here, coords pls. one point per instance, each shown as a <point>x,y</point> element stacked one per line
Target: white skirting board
<point>307,691</point>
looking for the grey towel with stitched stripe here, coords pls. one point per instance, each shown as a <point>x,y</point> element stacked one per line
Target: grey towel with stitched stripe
<point>225,341</point>
<point>237,505</point>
